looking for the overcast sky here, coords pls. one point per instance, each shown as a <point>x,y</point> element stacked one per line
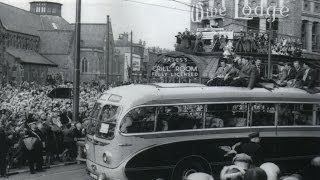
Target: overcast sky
<point>156,25</point>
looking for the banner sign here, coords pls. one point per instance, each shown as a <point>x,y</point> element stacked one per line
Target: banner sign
<point>244,9</point>
<point>175,66</point>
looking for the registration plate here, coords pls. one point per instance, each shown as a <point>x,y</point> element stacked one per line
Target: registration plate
<point>93,176</point>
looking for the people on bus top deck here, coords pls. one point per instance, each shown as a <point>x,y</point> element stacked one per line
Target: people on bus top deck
<point>247,75</point>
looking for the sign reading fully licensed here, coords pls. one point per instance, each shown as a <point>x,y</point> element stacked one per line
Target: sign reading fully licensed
<point>244,9</point>
<point>175,66</point>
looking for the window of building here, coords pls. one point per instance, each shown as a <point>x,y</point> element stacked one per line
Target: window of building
<point>303,34</point>
<point>254,24</point>
<point>54,10</point>
<point>49,10</point>
<point>317,7</point>
<point>306,6</point>
<point>38,9</point>
<point>84,65</point>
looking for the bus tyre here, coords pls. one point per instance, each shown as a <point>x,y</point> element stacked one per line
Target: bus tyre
<point>188,166</point>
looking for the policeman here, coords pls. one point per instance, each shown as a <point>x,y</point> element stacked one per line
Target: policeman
<point>32,149</point>
<point>253,149</point>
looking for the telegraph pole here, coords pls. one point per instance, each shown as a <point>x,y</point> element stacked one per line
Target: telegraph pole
<point>131,58</point>
<point>269,44</point>
<point>76,81</point>
<point>107,51</point>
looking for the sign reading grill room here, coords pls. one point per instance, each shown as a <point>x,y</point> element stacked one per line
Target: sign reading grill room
<point>170,66</point>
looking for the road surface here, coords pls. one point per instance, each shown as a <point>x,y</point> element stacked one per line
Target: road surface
<point>72,172</point>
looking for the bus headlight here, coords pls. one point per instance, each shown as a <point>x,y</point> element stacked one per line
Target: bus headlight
<point>106,157</point>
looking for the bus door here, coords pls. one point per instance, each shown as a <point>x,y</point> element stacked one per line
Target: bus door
<point>91,131</point>
<point>105,132</point>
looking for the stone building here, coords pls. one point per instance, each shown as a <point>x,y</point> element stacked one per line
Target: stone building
<point>45,45</point>
<point>93,54</point>
<point>21,58</point>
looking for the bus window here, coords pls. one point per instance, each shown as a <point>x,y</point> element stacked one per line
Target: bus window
<point>139,120</point>
<point>295,114</point>
<point>226,115</point>
<point>91,123</point>
<point>263,114</point>
<point>172,118</point>
<point>108,114</point>
<point>107,121</point>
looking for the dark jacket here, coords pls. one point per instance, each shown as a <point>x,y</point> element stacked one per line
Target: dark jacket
<point>291,74</point>
<point>249,72</point>
<point>254,150</point>
<point>310,81</point>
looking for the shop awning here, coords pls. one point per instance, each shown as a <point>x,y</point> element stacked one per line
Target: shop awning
<point>29,57</point>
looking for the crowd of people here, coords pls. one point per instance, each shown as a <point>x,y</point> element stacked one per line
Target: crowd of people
<point>250,72</point>
<point>33,126</point>
<point>250,43</point>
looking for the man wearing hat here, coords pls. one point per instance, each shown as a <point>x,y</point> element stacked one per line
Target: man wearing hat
<point>252,148</point>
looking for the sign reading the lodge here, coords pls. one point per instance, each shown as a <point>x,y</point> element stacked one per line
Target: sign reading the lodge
<point>243,10</point>
<point>171,66</point>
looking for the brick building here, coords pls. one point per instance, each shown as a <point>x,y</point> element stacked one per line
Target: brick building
<point>298,19</point>
<point>123,52</point>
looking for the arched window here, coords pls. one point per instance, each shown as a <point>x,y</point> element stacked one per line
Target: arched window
<point>84,65</point>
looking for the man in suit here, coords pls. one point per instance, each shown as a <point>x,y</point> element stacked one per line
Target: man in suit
<point>291,71</point>
<point>218,77</point>
<point>260,70</point>
<point>309,77</point>
<point>297,81</point>
<point>247,75</point>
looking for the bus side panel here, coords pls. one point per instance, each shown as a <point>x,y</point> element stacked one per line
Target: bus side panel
<point>161,160</point>
<point>292,154</point>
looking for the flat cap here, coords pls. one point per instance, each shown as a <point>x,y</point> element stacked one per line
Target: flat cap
<point>253,135</point>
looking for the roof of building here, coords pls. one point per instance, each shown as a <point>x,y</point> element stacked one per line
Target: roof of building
<point>93,35</point>
<point>50,22</point>
<point>50,1</point>
<point>63,61</point>
<point>29,56</point>
<point>56,42</point>
<point>19,20</point>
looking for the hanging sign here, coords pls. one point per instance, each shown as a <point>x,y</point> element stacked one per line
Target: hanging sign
<point>178,66</point>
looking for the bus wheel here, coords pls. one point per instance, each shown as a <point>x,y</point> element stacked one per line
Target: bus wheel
<point>190,165</point>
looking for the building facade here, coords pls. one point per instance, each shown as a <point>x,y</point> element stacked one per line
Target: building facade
<point>291,19</point>
<point>95,64</point>
<point>44,46</point>
<point>138,71</point>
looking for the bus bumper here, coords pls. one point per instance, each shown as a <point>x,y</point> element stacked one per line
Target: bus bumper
<point>98,172</point>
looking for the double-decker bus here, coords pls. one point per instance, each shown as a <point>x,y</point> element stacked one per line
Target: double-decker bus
<point>172,130</point>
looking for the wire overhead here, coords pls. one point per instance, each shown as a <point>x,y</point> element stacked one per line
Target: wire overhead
<point>192,6</point>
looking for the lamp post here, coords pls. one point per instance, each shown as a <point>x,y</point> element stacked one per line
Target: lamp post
<point>269,50</point>
<point>76,82</point>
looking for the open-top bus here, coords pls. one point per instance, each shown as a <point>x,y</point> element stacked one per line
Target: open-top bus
<point>171,130</point>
